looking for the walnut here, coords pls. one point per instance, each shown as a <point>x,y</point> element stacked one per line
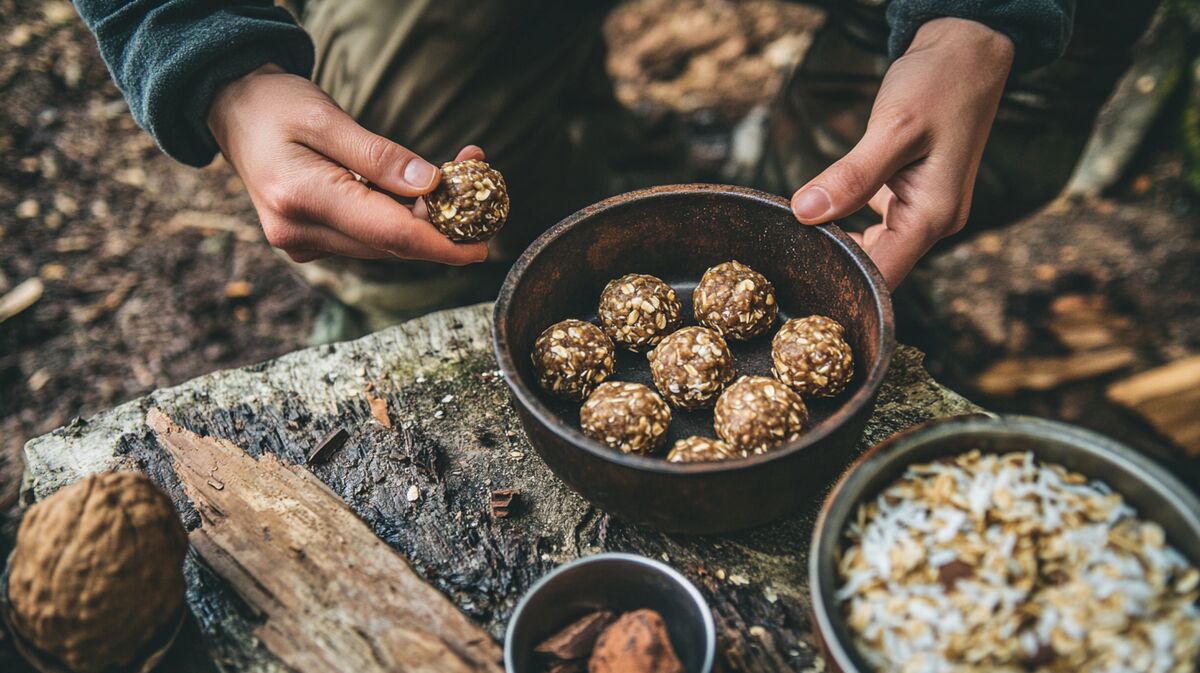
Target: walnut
<point>470,203</point>
<point>691,367</point>
<point>736,301</point>
<point>98,571</point>
<point>757,413</point>
<point>637,642</point>
<point>572,357</point>
<point>628,417</point>
<point>638,310</point>
<point>812,356</point>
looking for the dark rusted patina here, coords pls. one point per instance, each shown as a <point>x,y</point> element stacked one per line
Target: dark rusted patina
<point>675,233</point>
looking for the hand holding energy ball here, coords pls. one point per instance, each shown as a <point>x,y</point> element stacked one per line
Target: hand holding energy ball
<point>294,148</point>
<point>916,164</point>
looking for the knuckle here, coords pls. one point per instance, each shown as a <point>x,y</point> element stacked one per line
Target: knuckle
<point>282,235</point>
<point>320,118</point>
<point>383,153</point>
<point>852,176</point>
<point>902,124</point>
<point>282,198</point>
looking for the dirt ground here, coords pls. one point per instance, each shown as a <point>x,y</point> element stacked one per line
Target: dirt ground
<point>154,273</point>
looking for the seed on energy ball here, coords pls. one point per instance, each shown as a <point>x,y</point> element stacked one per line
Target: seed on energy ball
<point>638,310</point>
<point>628,417</point>
<point>470,203</point>
<point>697,449</point>
<point>757,413</point>
<point>572,357</point>
<point>811,355</point>
<point>691,367</point>
<point>735,300</point>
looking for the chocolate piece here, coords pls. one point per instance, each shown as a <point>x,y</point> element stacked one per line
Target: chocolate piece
<point>628,417</point>
<point>576,640</point>
<point>757,413</point>
<point>637,311</point>
<point>503,501</point>
<point>696,449</point>
<point>691,367</point>
<point>736,301</point>
<point>332,442</point>
<point>811,356</point>
<point>572,357</point>
<point>470,203</point>
<point>636,643</point>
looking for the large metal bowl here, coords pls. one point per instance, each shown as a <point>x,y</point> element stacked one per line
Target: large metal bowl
<point>675,233</point>
<point>1155,493</point>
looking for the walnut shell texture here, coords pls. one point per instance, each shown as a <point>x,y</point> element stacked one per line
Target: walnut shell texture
<point>98,571</point>
<point>812,356</point>
<point>470,203</point>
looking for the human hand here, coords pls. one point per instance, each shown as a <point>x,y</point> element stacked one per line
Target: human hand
<point>916,164</point>
<point>294,148</point>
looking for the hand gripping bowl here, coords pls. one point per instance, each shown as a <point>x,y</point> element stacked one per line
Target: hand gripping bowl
<point>1151,490</point>
<point>675,233</point>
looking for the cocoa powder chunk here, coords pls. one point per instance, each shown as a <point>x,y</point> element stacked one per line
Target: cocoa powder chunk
<point>636,643</point>
<point>576,640</point>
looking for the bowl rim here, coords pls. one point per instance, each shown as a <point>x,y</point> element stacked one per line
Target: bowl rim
<point>683,583</point>
<point>529,399</point>
<point>846,494</point>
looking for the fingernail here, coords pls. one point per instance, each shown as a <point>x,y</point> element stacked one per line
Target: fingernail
<point>419,173</point>
<point>811,203</point>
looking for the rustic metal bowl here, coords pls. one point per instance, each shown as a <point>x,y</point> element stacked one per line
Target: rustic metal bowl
<point>675,233</point>
<point>617,582</point>
<point>1155,493</point>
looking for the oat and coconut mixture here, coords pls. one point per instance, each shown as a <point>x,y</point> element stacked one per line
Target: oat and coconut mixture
<point>1003,563</point>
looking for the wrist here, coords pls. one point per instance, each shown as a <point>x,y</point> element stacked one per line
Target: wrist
<point>226,99</point>
<point>972,39</point>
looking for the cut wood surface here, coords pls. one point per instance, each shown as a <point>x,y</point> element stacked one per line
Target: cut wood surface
<point>455,440</point>
<point>1168,397</point>
<point>333,595</point>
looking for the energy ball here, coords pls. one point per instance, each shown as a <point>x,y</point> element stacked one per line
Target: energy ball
<point>696,449</point>
<point>735,300</point>
<point>637,311</point>
<point>757,413</point>
<point>691,367</point>
<point>628,417</point>
<point>812,357</point>
<point>572,357</point>
<point>470,203</point>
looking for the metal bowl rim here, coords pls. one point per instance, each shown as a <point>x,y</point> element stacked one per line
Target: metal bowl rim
<point>681,582</point>
<point>848,492</point>
<point>546,418</point>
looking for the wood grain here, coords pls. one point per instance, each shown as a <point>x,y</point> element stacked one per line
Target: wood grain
<point>334,597</point>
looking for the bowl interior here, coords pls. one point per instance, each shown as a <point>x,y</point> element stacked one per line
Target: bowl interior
<point>1151,490</point>
<point>616,582</point>
<point>676,234</point>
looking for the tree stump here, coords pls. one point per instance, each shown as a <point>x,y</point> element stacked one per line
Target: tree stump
<point>425,484</point>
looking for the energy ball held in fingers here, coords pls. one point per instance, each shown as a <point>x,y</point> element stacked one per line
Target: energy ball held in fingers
<point>691,367</point>
<point>758,413</point>
<point>572,357</point>
<point>638,310</point>
<point>628,417</point>
<point>736,301</point>
<point>811,356</point>
<point>697,449</point>
<point>470,203</point>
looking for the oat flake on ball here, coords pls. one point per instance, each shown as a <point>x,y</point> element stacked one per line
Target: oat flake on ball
<point>470,203</point>
<point>691,367</point>
<point>811,356</point>
<point>757,413</point>
<point>735,300</point>
<point>572,357</point>
<point>628,417</point>
<point>697,449</point>
<point>638,310</point>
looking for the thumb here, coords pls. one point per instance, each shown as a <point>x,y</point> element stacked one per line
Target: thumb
<point>390,166</point>
<point>848,184</point>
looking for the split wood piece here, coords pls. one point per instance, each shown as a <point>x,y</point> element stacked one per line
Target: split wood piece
<point>333,595</point>
<point>1168,397</point>
<point>332,442</point>
<point>577,640</point>
<point>1007,377</point>
<point>20,298</point>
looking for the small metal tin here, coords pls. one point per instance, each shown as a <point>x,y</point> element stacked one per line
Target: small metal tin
<point>617,582</point>
<point>1153,491</point>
